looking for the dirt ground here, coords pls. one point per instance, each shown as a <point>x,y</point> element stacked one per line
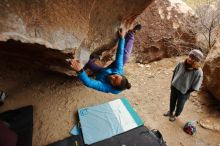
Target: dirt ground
<point>56,98</point>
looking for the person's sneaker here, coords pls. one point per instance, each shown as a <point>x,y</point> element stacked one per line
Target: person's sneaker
<point>167,114</point>
<point>137,28</point>
<point>172,118</point>
<point>3,95</point>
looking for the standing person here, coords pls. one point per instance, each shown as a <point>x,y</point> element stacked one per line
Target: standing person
<point>110,79</point>
<point>187,77</point>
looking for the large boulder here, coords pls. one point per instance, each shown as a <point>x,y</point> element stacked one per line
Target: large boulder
<point>162,34</point>
<point>212,71</point>
<point>46,32</point>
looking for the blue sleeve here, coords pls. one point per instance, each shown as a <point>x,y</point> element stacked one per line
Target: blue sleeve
<point>120,54</point>
<point>94,84</point>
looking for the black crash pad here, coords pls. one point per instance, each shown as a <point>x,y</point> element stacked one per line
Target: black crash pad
<point>140,136</point>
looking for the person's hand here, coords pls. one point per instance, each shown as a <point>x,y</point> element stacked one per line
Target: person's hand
<point>75,65</point>
<point>122,32</point>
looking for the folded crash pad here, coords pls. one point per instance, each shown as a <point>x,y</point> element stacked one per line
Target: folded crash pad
<point>107,120</point>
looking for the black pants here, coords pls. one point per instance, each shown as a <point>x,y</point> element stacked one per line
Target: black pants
<point>178,100</point>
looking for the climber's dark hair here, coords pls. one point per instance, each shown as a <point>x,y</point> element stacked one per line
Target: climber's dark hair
<point>124,84</point>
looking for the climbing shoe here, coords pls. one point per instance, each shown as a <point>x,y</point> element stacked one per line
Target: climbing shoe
<point>137,28</point>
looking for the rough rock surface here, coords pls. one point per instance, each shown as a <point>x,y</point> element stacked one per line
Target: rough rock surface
<point>162,34</point>
<point>210,123</point>
<point>41,31</point>
<point>212,71</point>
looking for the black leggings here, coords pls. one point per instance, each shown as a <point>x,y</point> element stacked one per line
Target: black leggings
<point>178,100</point>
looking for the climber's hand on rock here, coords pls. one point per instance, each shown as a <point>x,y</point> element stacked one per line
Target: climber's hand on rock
<point>122,32</point>
<point>75,65</point>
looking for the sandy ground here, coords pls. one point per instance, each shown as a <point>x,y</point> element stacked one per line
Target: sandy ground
<point>56,99</point>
